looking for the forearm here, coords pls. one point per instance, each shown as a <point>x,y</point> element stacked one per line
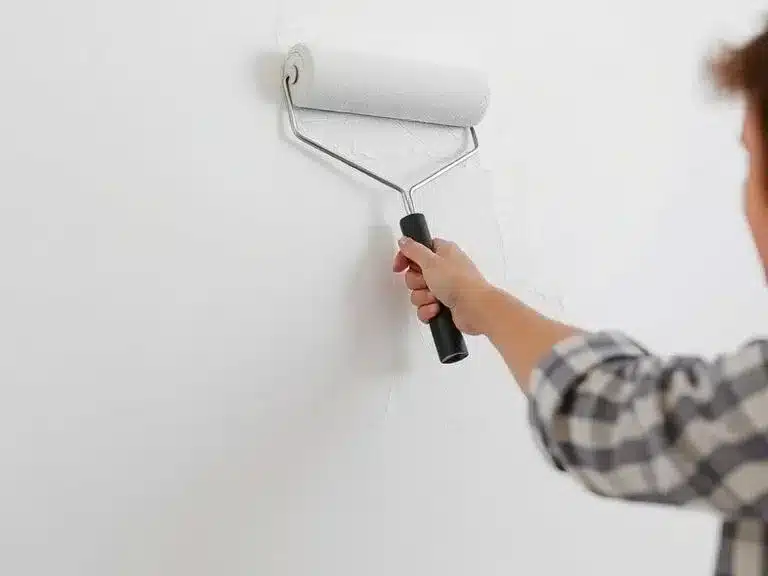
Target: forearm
<point>521,335</point>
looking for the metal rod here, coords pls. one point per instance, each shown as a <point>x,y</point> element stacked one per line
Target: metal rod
<point>321,148</point>
<point>406,195</point>
<point>466,156</point>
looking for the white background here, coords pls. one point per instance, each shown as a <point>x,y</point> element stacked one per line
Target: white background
<point>206,366</point>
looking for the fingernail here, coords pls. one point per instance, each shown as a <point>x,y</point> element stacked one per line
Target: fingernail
<point>403,241</point>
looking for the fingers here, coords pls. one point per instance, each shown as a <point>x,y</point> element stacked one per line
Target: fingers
<point>422,298</point>
<point>412,252</point>
<point>401,263</point>
<point>414,280</point>
<point>415,258</point>
<point>444,247</point>
<point>416,252</point>
<point>426,313</point>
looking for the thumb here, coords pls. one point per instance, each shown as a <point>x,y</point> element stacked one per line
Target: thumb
<point>416,252</point>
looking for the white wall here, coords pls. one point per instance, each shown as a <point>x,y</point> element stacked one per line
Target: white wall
<point>206,367</point>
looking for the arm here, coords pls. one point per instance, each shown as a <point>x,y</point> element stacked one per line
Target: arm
<point>626,423</point>
<point>680,431</point>
<point>521,335</point>
<point>449,276</point>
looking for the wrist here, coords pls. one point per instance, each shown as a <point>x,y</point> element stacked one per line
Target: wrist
<point>483,307</point>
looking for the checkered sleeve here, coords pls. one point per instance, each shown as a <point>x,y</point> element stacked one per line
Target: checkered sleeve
<point>632,425</point>
<point>743,549</point>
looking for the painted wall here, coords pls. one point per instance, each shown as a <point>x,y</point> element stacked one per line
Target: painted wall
<point>206,366</point>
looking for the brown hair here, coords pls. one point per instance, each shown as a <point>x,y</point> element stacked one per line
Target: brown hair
<point>744,70</point>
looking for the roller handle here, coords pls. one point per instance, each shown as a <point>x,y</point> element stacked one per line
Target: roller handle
<point>448,339</point>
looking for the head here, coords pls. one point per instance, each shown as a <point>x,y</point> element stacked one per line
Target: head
<point>743,71</point>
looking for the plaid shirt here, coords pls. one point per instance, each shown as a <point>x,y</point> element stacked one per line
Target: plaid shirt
<point>679,431</point>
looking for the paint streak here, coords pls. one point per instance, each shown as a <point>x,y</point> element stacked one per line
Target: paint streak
<point>389,401</point>
<point>417,138</point>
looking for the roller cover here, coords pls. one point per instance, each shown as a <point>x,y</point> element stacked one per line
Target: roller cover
<point>375,85</point>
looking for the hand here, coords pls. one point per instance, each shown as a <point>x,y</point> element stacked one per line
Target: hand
<point>446,275</point>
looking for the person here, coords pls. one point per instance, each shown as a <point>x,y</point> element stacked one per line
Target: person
<point>628,424</point>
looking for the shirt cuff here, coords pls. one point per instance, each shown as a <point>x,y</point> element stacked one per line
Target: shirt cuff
<point>567,365</point>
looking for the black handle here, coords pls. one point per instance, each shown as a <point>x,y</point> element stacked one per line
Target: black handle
<point>448,339</point>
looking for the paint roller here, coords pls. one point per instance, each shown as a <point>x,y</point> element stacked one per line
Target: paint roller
<point>397,89</point>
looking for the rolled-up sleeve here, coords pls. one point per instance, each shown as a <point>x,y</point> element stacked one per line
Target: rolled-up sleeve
<point>632,425</point>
